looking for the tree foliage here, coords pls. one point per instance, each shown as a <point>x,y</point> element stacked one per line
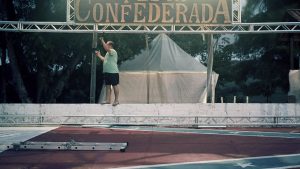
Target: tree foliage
<point>56,67</point>
<point>259,62</point>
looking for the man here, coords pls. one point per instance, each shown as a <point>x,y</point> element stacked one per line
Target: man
<point>110,70</point>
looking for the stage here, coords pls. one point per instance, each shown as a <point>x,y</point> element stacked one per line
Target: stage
<point>191,115</point>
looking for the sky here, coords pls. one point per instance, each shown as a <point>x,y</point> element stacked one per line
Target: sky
<point>244,2</point>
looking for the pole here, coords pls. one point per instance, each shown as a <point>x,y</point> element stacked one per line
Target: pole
<point>148,74</point>
<point>93,69</point>
<point>210,63</point>
<point>292,67</point>
<point>68,11</point>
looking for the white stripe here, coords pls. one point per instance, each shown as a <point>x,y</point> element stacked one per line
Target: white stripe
<point>194,132</point>
<point>286,167</point>
<point>271,132</point>
<point>212,161</point>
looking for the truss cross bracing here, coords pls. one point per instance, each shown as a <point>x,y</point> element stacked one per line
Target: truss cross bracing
<point>236,11</point>
<point>65,27</point>
<point>71,27</point>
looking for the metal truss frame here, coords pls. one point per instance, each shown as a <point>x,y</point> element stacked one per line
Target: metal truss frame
<point>64,27</point>
<point>70,11</point>
<point>236,27</point>
<point>253,121</point>
<point>236,11</point>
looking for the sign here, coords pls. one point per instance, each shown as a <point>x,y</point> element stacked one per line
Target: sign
<point>183,12</point>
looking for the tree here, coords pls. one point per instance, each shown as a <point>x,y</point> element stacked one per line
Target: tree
<point>259,62</point>
<point>50,64</point>
<point>8,12</point>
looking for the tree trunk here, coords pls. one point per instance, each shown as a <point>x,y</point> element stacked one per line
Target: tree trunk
<point>9,13</point>
<point>61,82</point>
<point>3,70</point>
<point>3,86</point>
<point>41,86</point>
<point>17,78</point>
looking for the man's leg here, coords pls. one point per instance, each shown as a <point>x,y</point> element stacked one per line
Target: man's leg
<point>116,92</point>
<point>108,93</point>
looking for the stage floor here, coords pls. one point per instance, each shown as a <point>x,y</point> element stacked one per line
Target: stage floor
<point>151,147</point>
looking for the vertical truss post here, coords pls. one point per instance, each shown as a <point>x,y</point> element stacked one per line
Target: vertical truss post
<point>148,72</point>
<point>210,62</point>
<point>70,12</point>
<point>93,67</point>
<point>292,65</point>
<point>236,11</point>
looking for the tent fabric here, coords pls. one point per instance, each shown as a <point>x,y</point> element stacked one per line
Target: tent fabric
<point>164,55</point>
<point>164,74</point>
<point>162,87</point>
<point>294,78</point>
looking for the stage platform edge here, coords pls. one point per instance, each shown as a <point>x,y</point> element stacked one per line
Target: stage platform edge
<point>274,115</point>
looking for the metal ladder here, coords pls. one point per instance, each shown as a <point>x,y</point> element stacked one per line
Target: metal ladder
<point>72,145</point>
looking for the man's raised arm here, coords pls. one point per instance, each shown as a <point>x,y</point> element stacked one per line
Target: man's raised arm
<point>105,46</point>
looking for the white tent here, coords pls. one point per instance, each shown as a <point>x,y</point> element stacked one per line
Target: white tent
<point>164,74</point>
